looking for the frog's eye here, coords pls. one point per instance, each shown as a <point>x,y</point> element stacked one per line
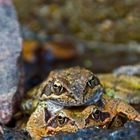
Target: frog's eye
<point>96,114</point>
<point>62,120</point>
<point>57,87</point>
<point>93,81</point>
<point>57,121</point>
<point>99,115</point>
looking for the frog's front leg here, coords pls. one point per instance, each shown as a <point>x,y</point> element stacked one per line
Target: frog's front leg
<point>37,121</point>
<point>128,110</point>
<point>28,105</point>
<point>38,133</point>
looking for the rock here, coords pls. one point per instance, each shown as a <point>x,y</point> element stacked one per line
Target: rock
<point>131,130</point>
<point>128,70</point>
<point>10,47</point>
<point>124,87</point>
<point>10,134</point>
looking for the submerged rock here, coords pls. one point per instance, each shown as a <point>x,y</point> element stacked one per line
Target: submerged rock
<point>131,130</point>
<point>10,47</point>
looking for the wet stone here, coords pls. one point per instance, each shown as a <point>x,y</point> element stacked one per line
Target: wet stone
<point>10,47</point>
<point>10,134</point>
<point>131,130</point>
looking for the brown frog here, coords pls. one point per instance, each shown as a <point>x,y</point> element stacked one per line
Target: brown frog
<point>69,87</point>
<point>72,87</point>
<point>46,123</point>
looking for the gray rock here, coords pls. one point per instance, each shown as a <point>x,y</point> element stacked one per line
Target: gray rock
<point>10,48</point>
<point>128,70</point>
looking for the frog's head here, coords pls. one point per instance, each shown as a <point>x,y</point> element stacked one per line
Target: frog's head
<point>72,87</point>
<point>72,119</point>
<point>45,123</point>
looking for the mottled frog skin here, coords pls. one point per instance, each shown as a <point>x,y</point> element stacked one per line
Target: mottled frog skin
<point>45,123</point>
<point>69,87</point>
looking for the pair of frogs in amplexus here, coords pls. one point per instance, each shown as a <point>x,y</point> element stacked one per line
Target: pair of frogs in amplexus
<point>72,99</point>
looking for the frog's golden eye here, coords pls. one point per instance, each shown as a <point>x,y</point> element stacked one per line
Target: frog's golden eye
<point>96,114</point>
<point>58,121</point>
<point>99,115</point>
<point>93,81</point>
<point>62,120</point>
<point>57,87</point>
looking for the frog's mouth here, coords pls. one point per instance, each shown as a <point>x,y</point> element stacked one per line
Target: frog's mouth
<point>63,100</point>
<point>67,100</point>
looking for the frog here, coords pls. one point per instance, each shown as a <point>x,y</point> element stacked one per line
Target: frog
<point>44,123</point>
<point>73,86</point>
